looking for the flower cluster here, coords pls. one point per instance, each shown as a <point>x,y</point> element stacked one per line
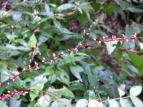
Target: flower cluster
<point>9,95</point>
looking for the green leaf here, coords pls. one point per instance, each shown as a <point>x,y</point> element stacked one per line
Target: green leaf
<point>49,71</point>
<point>34,93</point>
<point>92,78</point>
<point>82,103</point>
<point>137,61</point>
<point>61,103</point>
<point>40,79</point>
<point>132,68</point>
<point>47,8</point>
<point>111,46</point>
<point>16,15</point>
<point>44,101</point>
<point>135,90</point>
<point>4,15</point>
<point>3,104</point>
<point>94,103</point>
<point>66,6</point>
<point>63,91</point>
<point>32,41</point>
<point>76,71</point>
<point>134,9</point>
<point>136,101</point>
<point>125,103</point>
<point>113,103</point>
<point>14,102</point>
<point>4,74</point>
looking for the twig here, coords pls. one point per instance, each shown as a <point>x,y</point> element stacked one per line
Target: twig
<point>43,92</point>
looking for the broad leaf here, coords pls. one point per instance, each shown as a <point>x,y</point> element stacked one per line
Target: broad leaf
<point>82,103</point>
<point>136,101</point>
<point>63,91</point>
<point>44,101</point>
<point>113,103</point>
<point>111,46</point>
<point>61,103</point>
<point>94,103</point>
<point>134,9</point>
<point>135,90</point>
<point>125,103</point>
<point>76,71</point>
<point>48,11</point>
<point>32,41</point>
<point>66,6</point>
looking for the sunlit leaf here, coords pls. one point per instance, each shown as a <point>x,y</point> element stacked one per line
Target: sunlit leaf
<point>94,103</point>
<point>76,71</point>
<point>135,90</point>
<point>32,41</point>
<point>125,103</point>
<point>82,103</point>
<point>113,103</point>
<point>136,101</point>
<point>66,6</point>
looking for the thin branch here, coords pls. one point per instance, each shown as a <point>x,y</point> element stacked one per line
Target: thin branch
<point>44,92</point>
<point>115,99</point>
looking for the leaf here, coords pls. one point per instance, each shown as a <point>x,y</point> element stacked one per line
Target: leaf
<point>47,8</point>
<point>16,15</point>
<point>63,91</point>
<point>40,79</point>
<point>136,101</point>
<point>34,93</point>
<point>3,104</point>
<point>32,41</point>
<point>4,15</point>
<point>110,46</point>
<point>82,103</point>
<point>4,74</point>
<point>113,103</point>
<point>49,71</point>
<point>61,103</point>
<point>44,101</point>
<point>76,71</point>
<point>134,9</point>
<point>137,61</point>
<point>14,102</point>
<point>135,90</point>
<point>92,78</point>
<point>66,6</point>
<point>94,103</point>
<point>132,68</point>
<point>125,103</point>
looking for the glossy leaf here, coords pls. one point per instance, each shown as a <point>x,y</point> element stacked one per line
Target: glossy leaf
<point>66,6</point>
<point>48,11</point>
<point>61,102</point>
<point>76,71</point>
<point>82,103</point>
<point>111,46</point>
<point>32,41</point>
<point>63,91</point>
<point>94,103</point>
<point>125,103</point>
<point>135,90</point>
<point>44,101</point>
<point>113,103</point>
<point>136,101</point>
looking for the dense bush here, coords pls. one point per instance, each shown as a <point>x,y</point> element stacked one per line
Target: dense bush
<point>64,53</point>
